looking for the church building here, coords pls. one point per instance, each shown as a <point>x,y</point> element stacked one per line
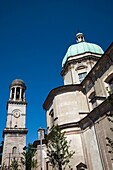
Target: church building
<point>80,107</point>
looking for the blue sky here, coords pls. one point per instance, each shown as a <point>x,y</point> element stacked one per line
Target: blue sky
<point>34,37</point>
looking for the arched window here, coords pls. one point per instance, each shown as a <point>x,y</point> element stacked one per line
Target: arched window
<point>22,94</point>
<point>14,150</point>
<point>82,76</point>
<point>17,93</point>
<point>81,166</point>
<point>13,91</point>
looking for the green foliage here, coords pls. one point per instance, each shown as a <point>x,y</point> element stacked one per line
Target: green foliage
<point>110,141</point>
<point>27,159</point>
<point>58,149</point>
<point>110,98</point>
<point>14,164</point>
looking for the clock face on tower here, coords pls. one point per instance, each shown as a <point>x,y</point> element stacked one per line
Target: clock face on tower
<point>16,113</point>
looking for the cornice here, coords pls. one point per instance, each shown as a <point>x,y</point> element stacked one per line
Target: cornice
<point>90,56</point>
<point>15,131</point>
<point>96,114</point>
<point>69,125</point>
<point>101,63</point>
<point>16,102</point>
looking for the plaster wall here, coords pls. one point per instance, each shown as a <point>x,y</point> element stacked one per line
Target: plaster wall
<point>75,145</point>
<point>91,147</point>
<point>68,77</point>
<point>10,141</point>
<point>89,92</point>
<point>102,129</point>
<point>68,106</point>
<point>11,120</point>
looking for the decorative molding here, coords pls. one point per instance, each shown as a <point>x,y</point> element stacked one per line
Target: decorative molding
<point>81,66</point>
<point>69,125</point>
<point>14,130</point>
<point>17,102</point>
<point>75,60</point>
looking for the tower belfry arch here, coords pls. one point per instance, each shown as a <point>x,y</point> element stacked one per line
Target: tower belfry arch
<point>15,131</point>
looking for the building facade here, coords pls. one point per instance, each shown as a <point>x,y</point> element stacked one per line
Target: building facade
<point>15,131</point>
<point>80,107</point>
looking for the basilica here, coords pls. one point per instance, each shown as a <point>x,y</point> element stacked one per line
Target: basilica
<point>80,107</point>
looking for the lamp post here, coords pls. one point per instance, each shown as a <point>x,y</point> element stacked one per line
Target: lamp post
<point>40,130</point>
<point>41,137</point>
<point>41,134</point>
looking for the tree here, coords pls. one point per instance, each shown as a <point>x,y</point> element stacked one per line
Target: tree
<point>58,149</point>
<point>14,164</point>
<point>28,157</point>
<point>110,118</point>
<point>110,141</point>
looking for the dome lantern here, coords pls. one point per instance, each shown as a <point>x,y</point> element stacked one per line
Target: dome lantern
<point>80,37</point>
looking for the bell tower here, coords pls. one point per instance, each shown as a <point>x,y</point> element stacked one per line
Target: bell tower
<point>15,132</point>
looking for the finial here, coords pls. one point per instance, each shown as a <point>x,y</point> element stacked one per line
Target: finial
<point>80,37</point>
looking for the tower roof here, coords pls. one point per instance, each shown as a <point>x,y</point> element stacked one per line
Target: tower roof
<point>81,47</point>
<point>17,82</point>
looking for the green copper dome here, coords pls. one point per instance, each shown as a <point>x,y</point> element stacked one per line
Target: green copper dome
<point>81,47</point>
